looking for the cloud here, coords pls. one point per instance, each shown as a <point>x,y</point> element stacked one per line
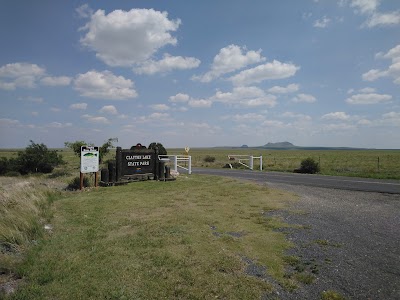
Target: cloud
<point>250,117</point>
<point>81,106</point>
<point>32,99</point>
<point>304,98</point>
<point>200,103</point>
<point>371,98</point>
<point>19,74</point>
<point>55,109</point>
<point>300,117</point>
<point>9,122</point>
<point>375,18</point>
<point>109,109</point>
<point>291,88</point>
<point>245,96</point>
<point>268,71</point>
<point>96,120</point>
<point>229,59</point>
<point>160,107</point>
<point>167,64</point>
<point>388,19</point>
<point>179,98</point>
<point>56,81</point>
<point>392,71</point>
<point>84,11</point>
<point>58,125</point>
<point>365,6</point>
<point>322,23</point>
<point>104,85</point>
<point>124,38</point>
<point>339,115</point>
<point>367,90</point>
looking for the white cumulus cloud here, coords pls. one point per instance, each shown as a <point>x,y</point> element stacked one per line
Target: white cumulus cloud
<point>180,97</point>
<point>160,107</point>
<point>371,98</point>
<point>104,85</point>
<point>268,71</point>
<point>245,96</point>
<point>291,88</point>
<point>96,120</point>
<point>167,64</point>
<point>229,59</point>
<point>304,98</point>
<point>24,75</point>
<point>109,109</point>
<point>339,115</point>
<point>200,103</point>
<point>125,38</point>
<point>392,71</point>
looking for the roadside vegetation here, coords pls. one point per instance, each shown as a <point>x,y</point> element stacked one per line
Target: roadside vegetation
<point>383,164</point>
<point>198,237</point>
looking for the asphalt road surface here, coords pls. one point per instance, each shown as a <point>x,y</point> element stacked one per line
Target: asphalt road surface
<point>335,182</point>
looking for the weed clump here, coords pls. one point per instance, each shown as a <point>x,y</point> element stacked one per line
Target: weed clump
<point>75,183</point>
<point>209,159</point>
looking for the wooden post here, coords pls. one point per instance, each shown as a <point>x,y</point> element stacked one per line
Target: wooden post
<point>81,181</point>
<point>95,179</point>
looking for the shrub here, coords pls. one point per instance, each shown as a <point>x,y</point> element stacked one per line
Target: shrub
<point>161,149</point>
<point>75,183</point>
<point>209,159</point>
<point>308,166</point>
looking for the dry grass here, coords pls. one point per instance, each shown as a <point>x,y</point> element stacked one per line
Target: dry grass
<point>24,209</point>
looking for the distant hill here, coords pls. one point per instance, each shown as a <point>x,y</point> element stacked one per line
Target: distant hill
<point>280,145</point>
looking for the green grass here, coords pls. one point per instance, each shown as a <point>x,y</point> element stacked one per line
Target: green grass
<point>359,163</point>
<point>153,240</point>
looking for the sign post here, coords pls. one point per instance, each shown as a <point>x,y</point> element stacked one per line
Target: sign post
<point>89,162</point>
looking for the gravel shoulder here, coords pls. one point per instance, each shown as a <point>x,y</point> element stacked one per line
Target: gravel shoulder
<point>350,239</point>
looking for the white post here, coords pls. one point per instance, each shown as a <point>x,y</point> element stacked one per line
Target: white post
<point>251,162</point>
<point>261,163</point>
<point>190,165</point>
<point>175,163</point>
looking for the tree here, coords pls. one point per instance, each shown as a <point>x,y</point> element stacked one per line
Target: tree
<point>161,149</point>
<point>76,146</point>
<point>103,150</point>
<point>37,158</point>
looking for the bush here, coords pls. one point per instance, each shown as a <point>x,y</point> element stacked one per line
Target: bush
<point>161,149</point>
<point>209,159</point>
<point>308,166</point>
<point>75,183</point>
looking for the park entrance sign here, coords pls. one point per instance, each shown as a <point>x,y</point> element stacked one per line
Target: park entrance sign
<point>138,161</point>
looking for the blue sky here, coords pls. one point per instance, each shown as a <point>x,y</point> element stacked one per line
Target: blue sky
<point>201,73</point>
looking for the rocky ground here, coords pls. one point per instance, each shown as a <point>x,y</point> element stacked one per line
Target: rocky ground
<point>349,243</point>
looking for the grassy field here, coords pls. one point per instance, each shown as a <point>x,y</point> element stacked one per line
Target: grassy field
<point>360,163</point>
<point>383,164</point>
<point>199,237</point>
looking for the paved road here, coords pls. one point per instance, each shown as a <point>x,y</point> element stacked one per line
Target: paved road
<point>343,183</point>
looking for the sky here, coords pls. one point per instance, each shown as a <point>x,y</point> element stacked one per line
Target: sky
<point>200,73</point>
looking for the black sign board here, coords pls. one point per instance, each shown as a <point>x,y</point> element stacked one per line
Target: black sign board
<point>136,161</point>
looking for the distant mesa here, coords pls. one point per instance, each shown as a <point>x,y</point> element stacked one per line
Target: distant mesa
<point>244,146</point>
<point>280,145</point>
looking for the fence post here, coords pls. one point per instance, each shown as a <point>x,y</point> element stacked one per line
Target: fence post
<point>190,165</point>
<point>251,162</point>
<point>175,163</point>
<point>261,163</point>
